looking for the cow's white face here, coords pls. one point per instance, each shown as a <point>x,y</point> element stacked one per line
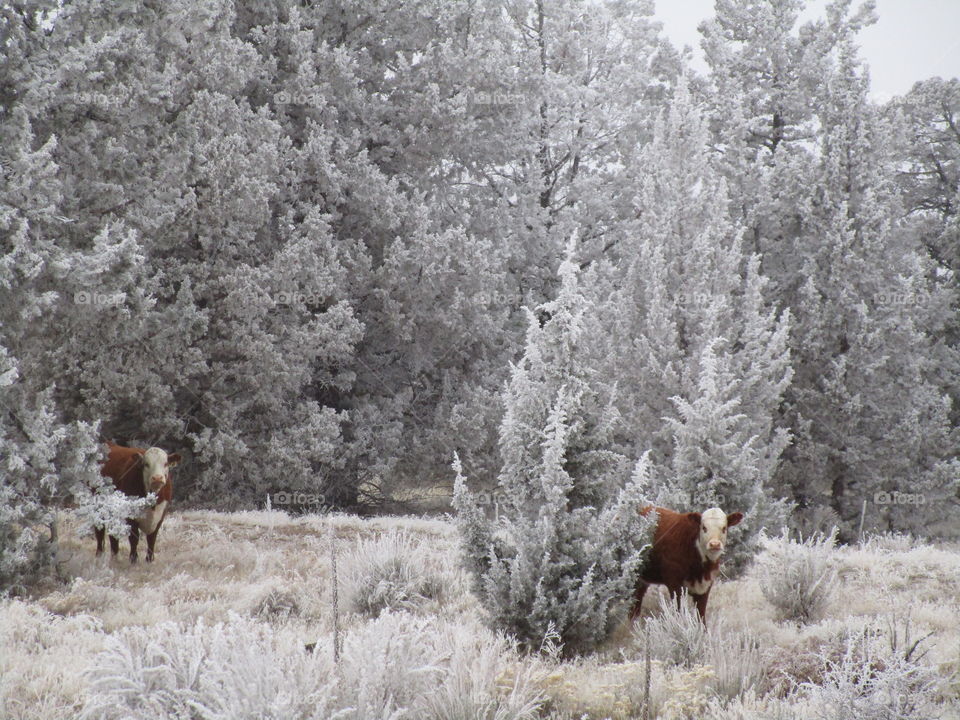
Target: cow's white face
<point>713,532</point>
<point>156,468</point>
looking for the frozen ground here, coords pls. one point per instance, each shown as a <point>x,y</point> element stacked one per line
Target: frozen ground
<point>216,628</point>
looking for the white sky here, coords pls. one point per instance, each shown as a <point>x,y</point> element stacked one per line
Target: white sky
<point>912,40</point>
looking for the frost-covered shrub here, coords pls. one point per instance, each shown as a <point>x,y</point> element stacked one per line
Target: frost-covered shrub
<point>42,461</point>
<point>888,542</point>
<point>434,669</point>
<point>873,680</point>
<point>36,683</point>
<point>393,570</point>
<point>737,662</point>
<point>749,706</point>
<point>688,694</point>
<point>679,637</point>
<point>565,546</point>
<point>238,669</point>
<point>398,665</point>
<point>798,578</point>
<point>275,602</point>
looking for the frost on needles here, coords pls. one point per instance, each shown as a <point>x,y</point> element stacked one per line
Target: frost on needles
<point>562,552</point>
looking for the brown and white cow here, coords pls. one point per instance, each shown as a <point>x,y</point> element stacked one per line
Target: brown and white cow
<point>686,553</point>
<point>136,472</point>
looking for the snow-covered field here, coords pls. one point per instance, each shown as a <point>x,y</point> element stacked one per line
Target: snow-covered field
<point>216,628</point>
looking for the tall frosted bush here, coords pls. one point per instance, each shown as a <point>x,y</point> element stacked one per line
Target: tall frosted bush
<point>564,549</point>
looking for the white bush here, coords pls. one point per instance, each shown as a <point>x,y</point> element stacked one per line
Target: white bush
<point>238,669</point>
<point>393,571</point>
<point>108,508</point>
<point>441,670</point>
<point>797,578</point>
<point>42,660</point>
<point>751,707</point>
<point>679,637</point>
<point>873,681</point>
<point>399,665</point>
<point>563,549</point>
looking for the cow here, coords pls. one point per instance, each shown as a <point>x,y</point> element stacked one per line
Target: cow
<point>136,472</point>
<point>685,554</point>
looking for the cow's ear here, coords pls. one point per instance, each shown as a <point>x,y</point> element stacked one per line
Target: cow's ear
<point>734,519</point>
<point>694,519</point>
<point>173,459</point>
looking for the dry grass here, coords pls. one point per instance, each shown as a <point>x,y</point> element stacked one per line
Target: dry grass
<point>274,569</point>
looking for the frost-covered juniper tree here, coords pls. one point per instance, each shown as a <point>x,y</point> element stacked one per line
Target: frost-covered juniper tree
<point>567,542</point>
<point>45,456</point>
<point>700,358</point>
<point>867,404</point>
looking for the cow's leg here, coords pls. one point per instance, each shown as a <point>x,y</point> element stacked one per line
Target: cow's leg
<point>152,539</point>
<point>638,599</point>
<point>99,533</point>
<point>114,546</point>
<point>676,593</point>
<point>701,601</point>
<point>134,541</point>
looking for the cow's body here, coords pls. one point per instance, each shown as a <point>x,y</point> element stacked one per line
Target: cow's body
<point>136,472</point>
<point>686,553</point>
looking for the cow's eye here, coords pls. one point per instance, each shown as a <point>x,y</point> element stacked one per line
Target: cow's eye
<point>703,528</point>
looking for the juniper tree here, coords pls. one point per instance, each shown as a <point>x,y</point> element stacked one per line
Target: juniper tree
<point>565,547</point>
<point>701,357</point>
<point>47,456</point>
<point>866,404</point>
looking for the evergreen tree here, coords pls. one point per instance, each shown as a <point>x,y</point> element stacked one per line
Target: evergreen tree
<point>565,547</point>
<point>930,181</point>
<point>701,358</point>
<point>869,416</point>
<point>47,457</point>
<point>809,162</point>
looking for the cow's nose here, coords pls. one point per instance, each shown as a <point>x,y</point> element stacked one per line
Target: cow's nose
<point>156,483</point>
<point>715,545</point>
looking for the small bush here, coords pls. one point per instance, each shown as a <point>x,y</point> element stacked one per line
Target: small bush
<point>798,578</point>
<point>679,637</point>
<point>563,549</point>
<point>393,571</point>
<point>873,681</point>
<point>42,660</point>
<point>752,707</point>
<point>275,602</point>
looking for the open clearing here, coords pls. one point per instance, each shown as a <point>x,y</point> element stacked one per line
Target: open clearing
<point>267,578</point>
